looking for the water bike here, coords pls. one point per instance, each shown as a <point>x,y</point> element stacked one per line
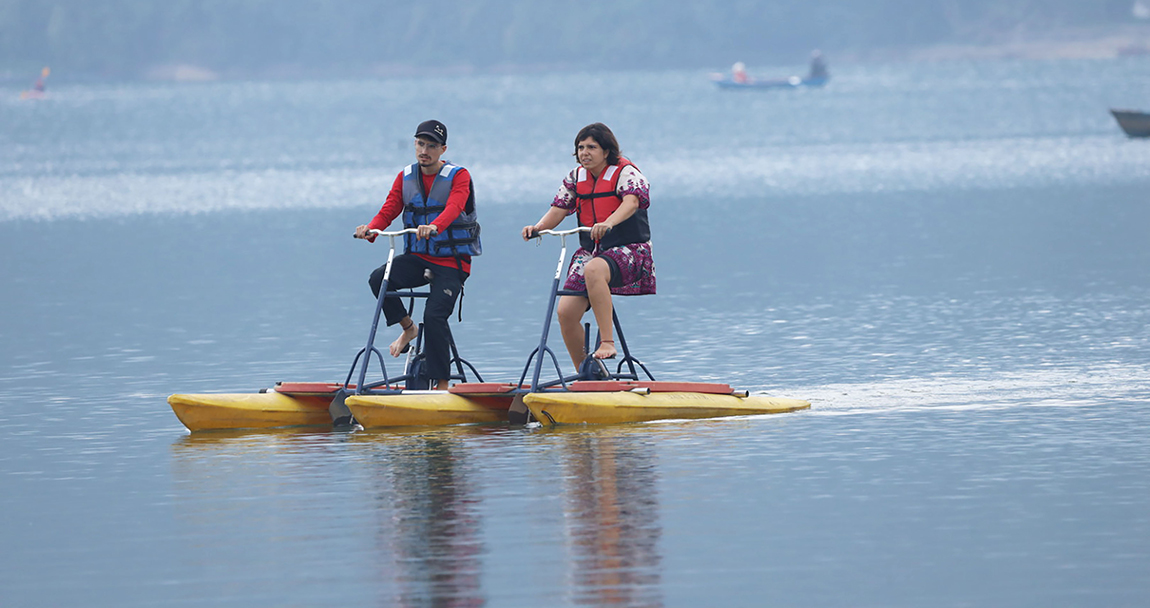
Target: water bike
<point>593,395</point>
<point>599,395</point>
<point>399,400</point>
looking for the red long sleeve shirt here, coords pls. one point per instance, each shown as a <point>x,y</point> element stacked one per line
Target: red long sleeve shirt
<point>456,201</point>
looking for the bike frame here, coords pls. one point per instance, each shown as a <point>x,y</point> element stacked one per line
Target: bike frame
<point>633,364</point>
<point>363,357</point>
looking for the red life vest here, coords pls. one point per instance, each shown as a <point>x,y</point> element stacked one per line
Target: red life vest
<point>596,196</point>
<point>596,199</point>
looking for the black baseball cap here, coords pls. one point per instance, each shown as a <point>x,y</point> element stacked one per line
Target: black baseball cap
<point>434,130</point>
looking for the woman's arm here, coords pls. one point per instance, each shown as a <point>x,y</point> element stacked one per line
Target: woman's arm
<point>628,208</point>
<point>549,220</point>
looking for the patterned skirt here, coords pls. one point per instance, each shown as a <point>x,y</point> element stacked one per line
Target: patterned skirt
<point>635,264</point>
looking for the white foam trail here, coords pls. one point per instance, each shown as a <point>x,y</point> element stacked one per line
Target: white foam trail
<point>1040,387</point>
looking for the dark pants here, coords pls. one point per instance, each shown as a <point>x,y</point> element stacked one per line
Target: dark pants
<point>407,271</point>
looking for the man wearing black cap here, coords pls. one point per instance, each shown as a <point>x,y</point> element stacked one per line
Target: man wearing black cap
<point>436,198</point>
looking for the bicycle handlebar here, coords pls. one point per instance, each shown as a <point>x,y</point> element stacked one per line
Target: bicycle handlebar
<point>564,232</point>
<point>393,232</point>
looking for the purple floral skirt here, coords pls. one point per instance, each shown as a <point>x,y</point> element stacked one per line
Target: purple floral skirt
<point>636,267</point>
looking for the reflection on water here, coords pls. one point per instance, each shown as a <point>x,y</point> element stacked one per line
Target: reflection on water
<point>398,511</point>
<point>422,512</point>
<point>429,523</point>
<point>611,507</point>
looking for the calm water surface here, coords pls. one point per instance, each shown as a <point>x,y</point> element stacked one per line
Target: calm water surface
<point>948,261</point>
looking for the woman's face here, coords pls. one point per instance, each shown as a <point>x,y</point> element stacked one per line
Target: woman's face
<point>591,155</point>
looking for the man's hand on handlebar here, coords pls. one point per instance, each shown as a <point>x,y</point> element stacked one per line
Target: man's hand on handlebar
<point>423,232</point>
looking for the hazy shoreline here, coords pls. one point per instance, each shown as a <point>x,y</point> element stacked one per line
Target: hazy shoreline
<point>1065,43</point>
<point>1069,43</point>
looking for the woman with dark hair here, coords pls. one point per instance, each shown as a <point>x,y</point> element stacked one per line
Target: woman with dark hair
<point>607,193</point>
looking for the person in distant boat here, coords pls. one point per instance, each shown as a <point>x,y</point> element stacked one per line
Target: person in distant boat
<point>436,198</point>
<point>739,72</point>
<point>818,66</point>
<point>40,86</point>
<point>607,193</point>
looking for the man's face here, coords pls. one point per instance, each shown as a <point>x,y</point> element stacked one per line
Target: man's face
<point>427,153</point>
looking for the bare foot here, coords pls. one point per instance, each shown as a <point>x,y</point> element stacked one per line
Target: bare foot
<point>399,347</point>
<point>606,350</point>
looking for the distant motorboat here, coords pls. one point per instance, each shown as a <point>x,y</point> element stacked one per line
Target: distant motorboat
<point>1133,122</point>
<point>794,82</point>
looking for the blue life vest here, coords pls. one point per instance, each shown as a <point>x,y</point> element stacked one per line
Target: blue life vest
<point>420,208</point>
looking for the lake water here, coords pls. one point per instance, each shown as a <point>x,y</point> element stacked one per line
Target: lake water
<point>948,260</point>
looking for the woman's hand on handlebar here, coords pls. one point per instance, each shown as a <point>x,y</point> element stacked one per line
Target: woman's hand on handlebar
<point>529,232</point>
